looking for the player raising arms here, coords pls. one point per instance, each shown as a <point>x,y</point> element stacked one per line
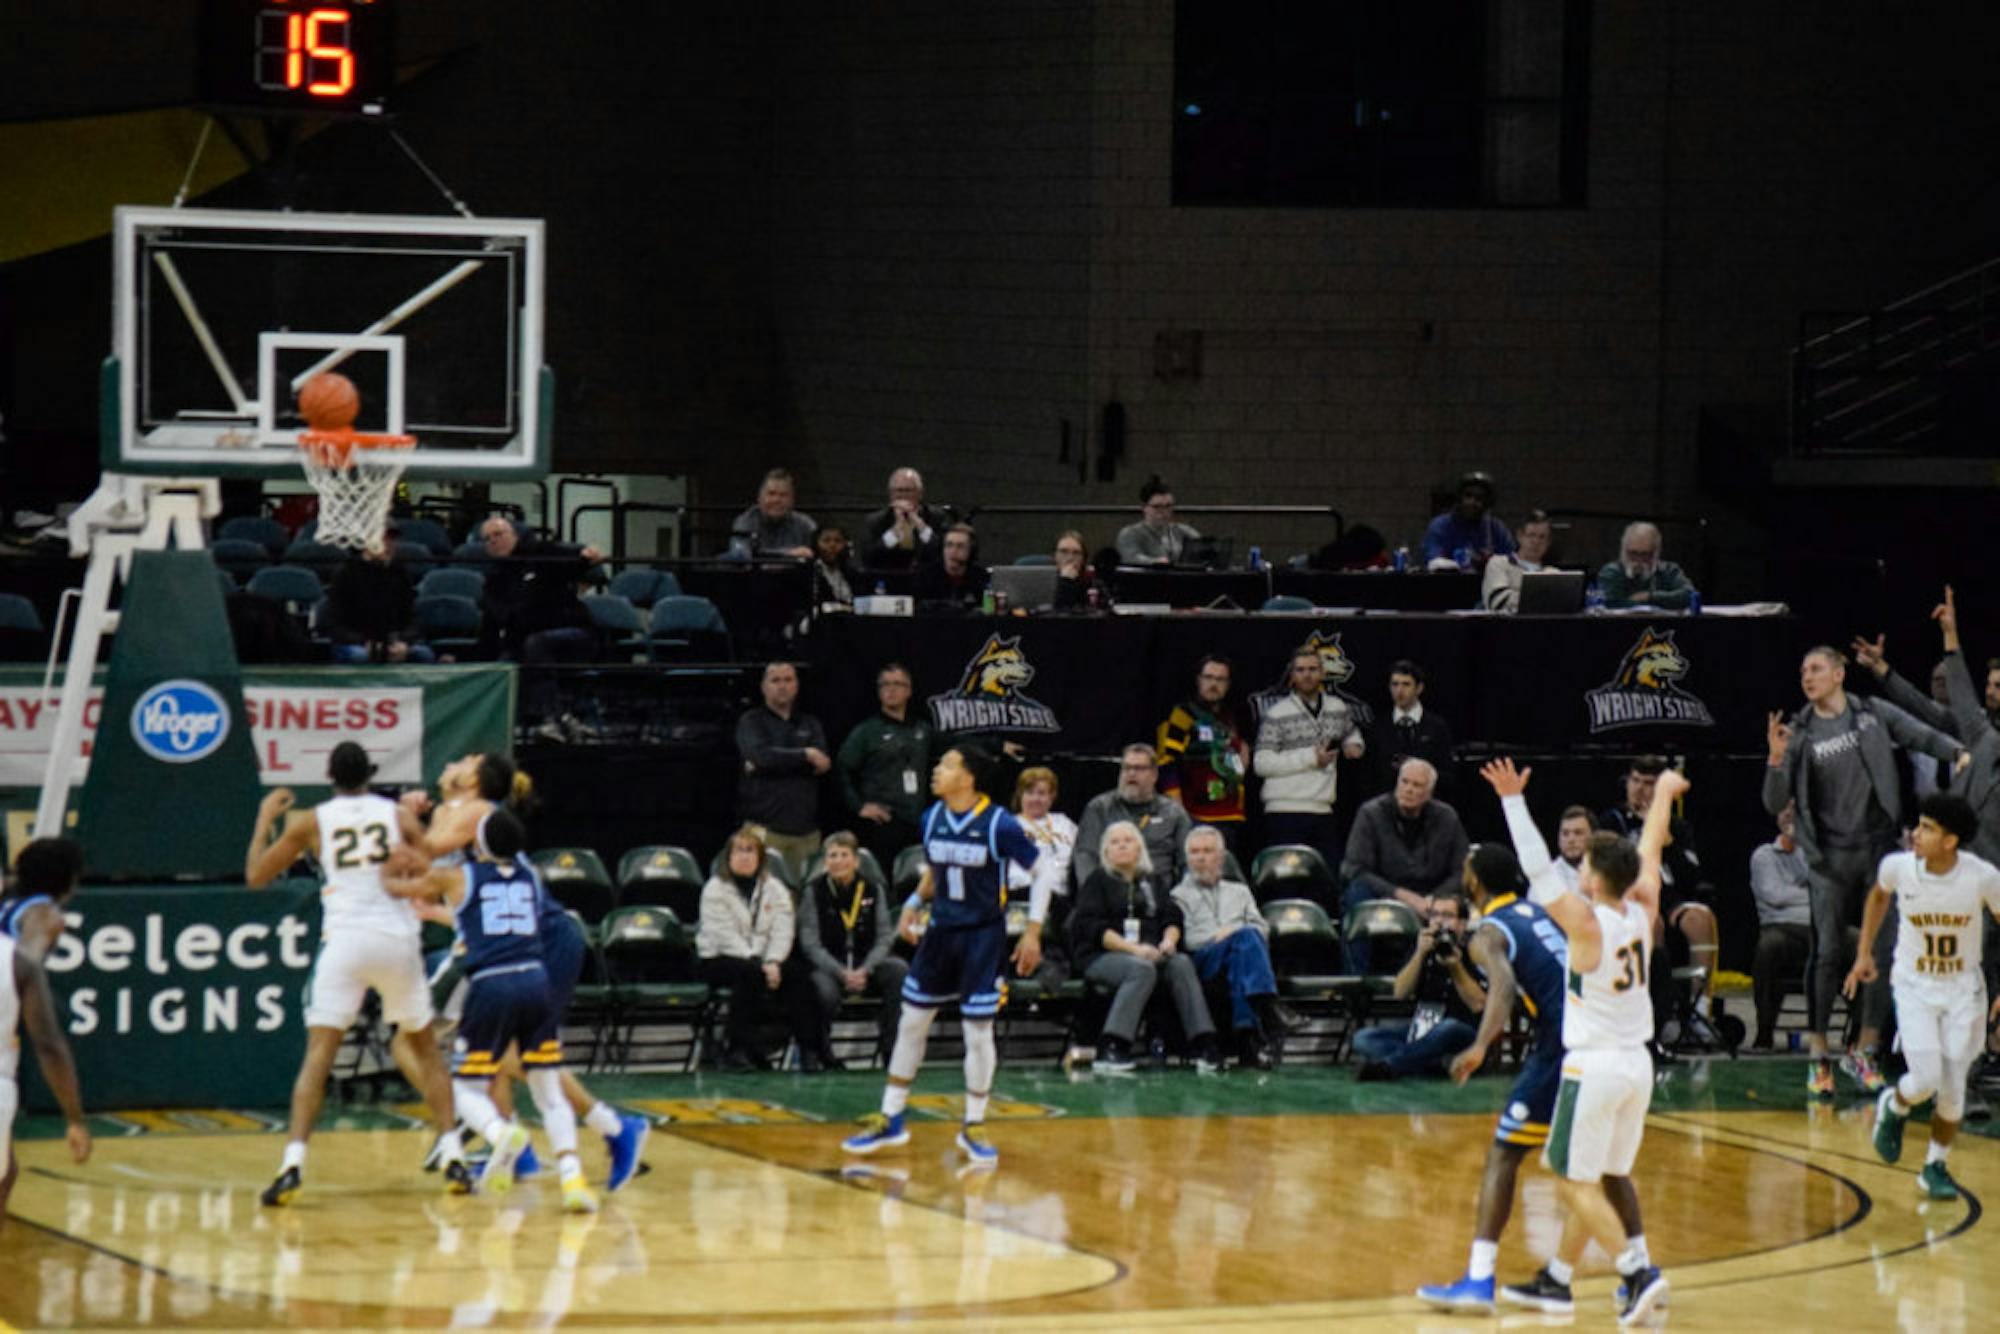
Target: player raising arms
<point>367,940</point>
<point>1607,1072</point>
<point>45,875</point>
<point>968,842</point>
<point>495,898</point>
<point>25,1004</point>
<point>473,787</point>
<point>1942,893</point>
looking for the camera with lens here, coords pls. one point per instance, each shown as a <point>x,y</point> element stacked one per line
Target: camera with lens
<point>1446,945</point>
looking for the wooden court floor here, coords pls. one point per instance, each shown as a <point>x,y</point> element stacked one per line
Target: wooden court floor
<point>1295,1201</point>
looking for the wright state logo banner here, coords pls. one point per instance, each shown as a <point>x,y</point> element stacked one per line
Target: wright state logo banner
<point>1647,690</point>
<point>989,696</point>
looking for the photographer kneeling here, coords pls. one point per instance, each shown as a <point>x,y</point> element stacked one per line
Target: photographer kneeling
<point>1448,995</point>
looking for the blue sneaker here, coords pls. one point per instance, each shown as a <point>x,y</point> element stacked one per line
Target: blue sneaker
<point>974,1143</point>
<point>625,1148</point>
<point>527,1164</point>
<point>877,1132</point>
<point>1467,1294</point>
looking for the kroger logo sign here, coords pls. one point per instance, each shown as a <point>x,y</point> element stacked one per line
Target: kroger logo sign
<point>180,722</point>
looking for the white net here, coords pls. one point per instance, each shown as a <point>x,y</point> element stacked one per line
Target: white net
<point>355,477</point>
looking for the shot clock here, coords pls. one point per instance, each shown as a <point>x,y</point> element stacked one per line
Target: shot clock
<point>297,56</point>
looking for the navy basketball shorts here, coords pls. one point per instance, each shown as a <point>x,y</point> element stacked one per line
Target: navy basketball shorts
<point>962,964</point>
<point>1524,1121</point>
<point>505,1005</point>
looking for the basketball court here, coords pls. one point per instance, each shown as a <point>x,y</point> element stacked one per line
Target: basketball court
<point>1286,1201</point>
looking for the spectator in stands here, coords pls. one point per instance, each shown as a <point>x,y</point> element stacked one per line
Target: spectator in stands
<point>1406,845</point>
<point>1136,800</point>
<point>907,532</point>
<point>954,582</point>
<point>1124,934</point>
<point>1573,833</point>
<point>884,768</point>
<point>1686,924</point>
<point>1467,535</point>
<point>533,615</point>
<point>1449,1000</point>
<point>371,609</point>
<point>1299,741</point>
<point>1639,578</point>
<point>1408,730</point>
<point>771,527</point>
<point>1500,589</point>
<point>1075,576</point>
<point>1784,924</point>
<point>784,754</point>
<point>746,933</point>
<point>1229,938</point>
<point>845,935</point>
<point>1156,539</point>
<point>834,575</point>
<point>1203,756</point>
<point>1836,758</point>
<point>1054,833</point>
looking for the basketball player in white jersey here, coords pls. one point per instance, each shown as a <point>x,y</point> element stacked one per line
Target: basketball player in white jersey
<point>1943,894</point>
<point>25,1003</point>
<point>1607,1073</point>
<point>368,940</point>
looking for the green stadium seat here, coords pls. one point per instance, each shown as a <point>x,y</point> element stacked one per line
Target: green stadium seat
<point>577,879</point>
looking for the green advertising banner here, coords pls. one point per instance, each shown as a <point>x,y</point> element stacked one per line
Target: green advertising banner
<point>183,997</point>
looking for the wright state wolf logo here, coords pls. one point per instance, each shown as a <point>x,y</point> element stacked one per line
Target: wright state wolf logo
<point>1646,690</point>
<point>1336,670</point>
<point>988,697</point>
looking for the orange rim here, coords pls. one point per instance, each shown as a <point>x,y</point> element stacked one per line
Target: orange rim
<point>332,448</point>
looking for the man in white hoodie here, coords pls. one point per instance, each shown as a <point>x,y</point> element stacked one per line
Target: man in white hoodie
<point>1299,744</point>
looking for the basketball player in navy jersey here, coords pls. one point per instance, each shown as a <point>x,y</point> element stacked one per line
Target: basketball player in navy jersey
<point>968,842</point>
<point>45,875</point>
<point>497,900</point>
<point>26,1004</point>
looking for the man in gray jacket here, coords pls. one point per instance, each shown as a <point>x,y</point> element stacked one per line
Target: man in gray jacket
<point>1225,933</point>
<point>845,935</point>
<point>1162,821</point>
<point>1835,759</point>
<point>1406,845</point>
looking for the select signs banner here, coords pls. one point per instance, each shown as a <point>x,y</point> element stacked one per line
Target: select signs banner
<point>411,719</point>
<point>183,997</point>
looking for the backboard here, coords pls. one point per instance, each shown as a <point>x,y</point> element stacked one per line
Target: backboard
<point>218,315</point>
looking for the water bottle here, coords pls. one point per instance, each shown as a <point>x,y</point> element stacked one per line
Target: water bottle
<point>986,603</point>
<point>1000,601</point>
<point>1256,558</point>
<point>1462,558</point>
<point>1401,560</point>
<point>1095,597</point>
<point>881,588</point>
<point>1694,602</point>
<point>1593,598</point>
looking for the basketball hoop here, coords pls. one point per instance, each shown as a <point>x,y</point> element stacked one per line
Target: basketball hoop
<point>355,475</point>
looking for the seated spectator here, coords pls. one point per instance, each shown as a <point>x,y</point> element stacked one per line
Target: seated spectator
<point>1573,833</point>
<point>1136,800</point>
<point>1229,938</point>
<point>1784,925</point>
<point>533,615</point>
<point>1686,924</point>
<point>783,754</point>
<point>1408,730</point>
<point>747,926</point>
<point>884,768</point>
<point>834,575</point>
<point>771,527</point>
<point>1500,589</point>
<point>845,935</point>
<point>953,582</point>
<point>1298,743</point>
<point>1075,576</point>
<point>1467,535</point>
<point>371,609</point>
<point>905,533</point>
<point>1054,833</point>
<point>1449,1000</point>
<point>1639,578</point>
<point>1124,935</point>
<point>1156,539</point>
<point>1406,846</point>
<point>1204,759</point>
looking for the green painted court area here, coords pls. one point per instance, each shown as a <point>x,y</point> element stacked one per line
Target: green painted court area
<point>1745,1084</point>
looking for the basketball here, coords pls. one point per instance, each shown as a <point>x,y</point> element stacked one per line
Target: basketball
<point>329,402</point>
